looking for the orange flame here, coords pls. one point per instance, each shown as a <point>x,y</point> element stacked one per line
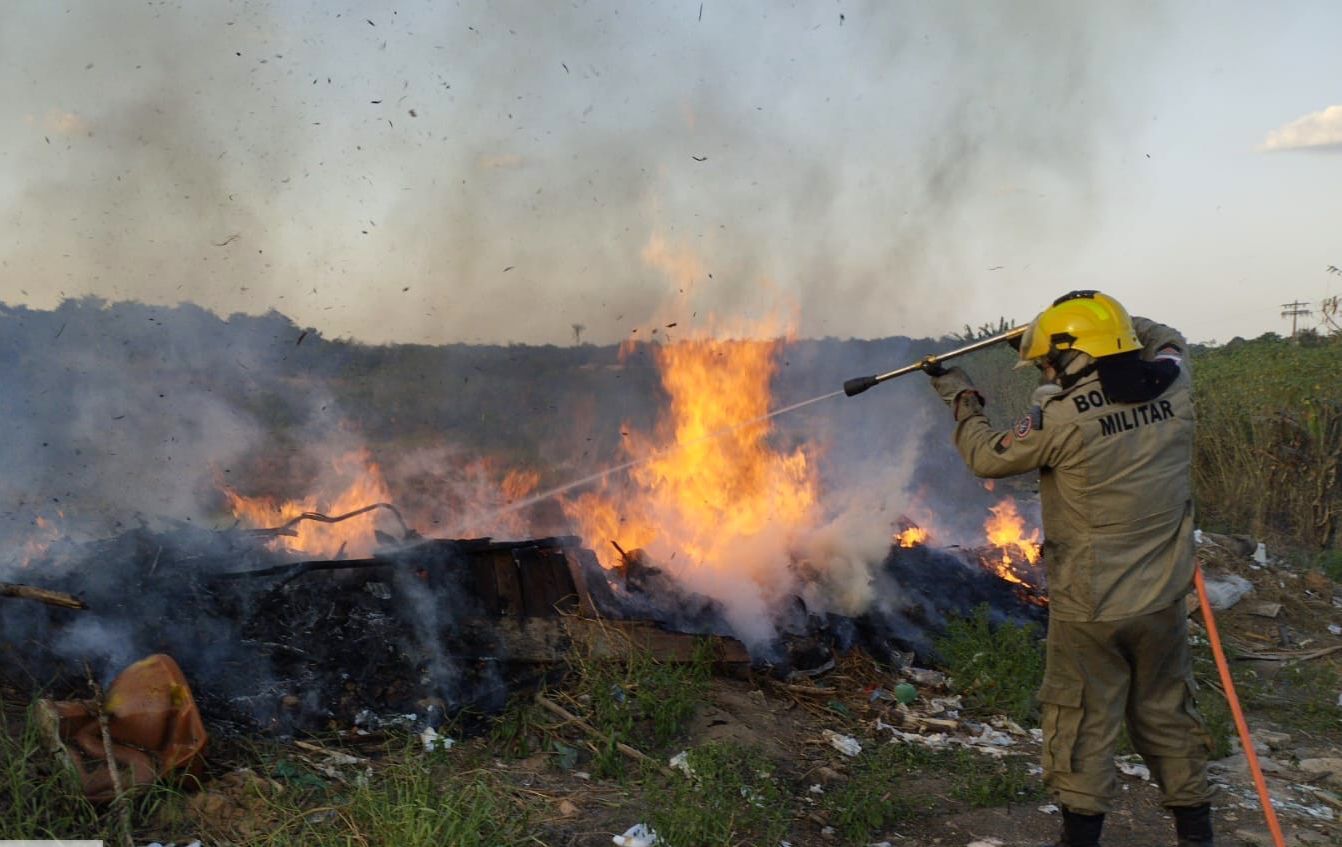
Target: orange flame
<point>710,483</point>
<point>914,536</point>
<point>1006,532</point>
<point>358,483</point>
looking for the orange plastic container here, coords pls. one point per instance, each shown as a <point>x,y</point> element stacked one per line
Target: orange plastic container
<point>153,722</point>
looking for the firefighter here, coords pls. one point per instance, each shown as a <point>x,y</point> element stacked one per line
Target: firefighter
<point>1111,435</point>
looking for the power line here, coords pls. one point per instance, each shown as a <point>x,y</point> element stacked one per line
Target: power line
<point>1295,310</point>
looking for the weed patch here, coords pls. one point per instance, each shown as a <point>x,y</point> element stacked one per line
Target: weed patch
<point>997,668</point>
<point>733,797</point>
<point>981,781</point>
<point>882,791</point>
<point>417,799</point>
<point>640,701</point>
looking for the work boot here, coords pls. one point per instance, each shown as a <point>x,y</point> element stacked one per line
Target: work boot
<point>1080,830</point>
<point>1193,825</point>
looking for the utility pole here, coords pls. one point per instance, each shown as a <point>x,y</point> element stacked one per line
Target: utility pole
<point>1293,311</point>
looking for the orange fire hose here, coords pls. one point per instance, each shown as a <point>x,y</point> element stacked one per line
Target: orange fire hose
<point>1232,698</point>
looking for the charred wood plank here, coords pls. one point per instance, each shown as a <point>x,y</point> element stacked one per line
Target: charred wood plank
<point>41,595</point>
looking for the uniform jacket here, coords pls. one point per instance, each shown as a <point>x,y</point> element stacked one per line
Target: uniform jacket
<point>1114,485</point>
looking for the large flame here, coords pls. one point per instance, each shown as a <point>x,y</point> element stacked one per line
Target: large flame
<point>709,483</point>
<point>1006,532</point>
<point>355,482</point>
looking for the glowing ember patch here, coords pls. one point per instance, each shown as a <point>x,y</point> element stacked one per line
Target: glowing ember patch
<point>357,483</point>
<point>45,532</point>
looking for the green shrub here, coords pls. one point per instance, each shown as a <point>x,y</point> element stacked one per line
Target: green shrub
<point>998,669</point>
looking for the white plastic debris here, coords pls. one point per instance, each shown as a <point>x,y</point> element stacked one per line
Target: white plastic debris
<point>1260,554</point>
<point>1129,766</point>
<point>816,789</point>
<point>1197,536</point>
<point>638,835</point>
<point>681,762</point>
<point>845,744</point>
<point>1225,590</point>
<point>1050,809</point>
<point>1335,629</point>
<point>433,741</point>
<point>985,842</point>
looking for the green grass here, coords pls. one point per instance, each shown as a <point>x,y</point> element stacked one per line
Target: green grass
<point>983,781</point>
<point>38,799</point>
<point>418,800</point>
<point>998,669</point>
<point>734,797</point>
<point>640,700</point>
<point>884,789</point>
<point>41,798</point>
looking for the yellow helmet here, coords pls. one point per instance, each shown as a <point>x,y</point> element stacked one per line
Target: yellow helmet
<point>1088,321</point>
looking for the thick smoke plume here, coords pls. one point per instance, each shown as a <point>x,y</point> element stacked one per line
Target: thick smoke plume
<point>479,172</point>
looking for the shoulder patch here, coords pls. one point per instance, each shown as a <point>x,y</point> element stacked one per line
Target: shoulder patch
<point>1023,426</point>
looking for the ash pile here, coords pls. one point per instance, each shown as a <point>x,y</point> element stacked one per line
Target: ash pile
<point>427,627</point>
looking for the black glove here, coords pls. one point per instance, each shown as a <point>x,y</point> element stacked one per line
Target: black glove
<point>932,367</point>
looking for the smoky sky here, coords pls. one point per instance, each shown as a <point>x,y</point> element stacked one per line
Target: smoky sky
<point>507,172</point>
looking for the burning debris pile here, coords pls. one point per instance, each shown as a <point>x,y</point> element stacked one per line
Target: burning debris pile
<point>331,608</point>
<point>424,627</point>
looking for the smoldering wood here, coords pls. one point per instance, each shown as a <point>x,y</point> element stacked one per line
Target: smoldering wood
<point>432,626</point>
<point>41,595</point>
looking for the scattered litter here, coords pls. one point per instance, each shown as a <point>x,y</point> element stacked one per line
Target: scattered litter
<point>681,762</point>
<point>195,843</point>
<point>989,737</point>
<point>638,835</point>
<point>924,676</point>
<point>1265,610</point>
<point>1050,809</point>
<point>1335,629</point>
<point>816,789</point>
<point>1132,766</point>
<point>433,741</point>
<point>1260,554</point>
<point>828,832</point>
<point>988,741</point>
<point>905,693</point>
<point>845,744</point>
<point>1225,590</point>
<point>985,842</point>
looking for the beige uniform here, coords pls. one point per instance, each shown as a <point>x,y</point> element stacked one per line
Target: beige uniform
<point>1115,491</point>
